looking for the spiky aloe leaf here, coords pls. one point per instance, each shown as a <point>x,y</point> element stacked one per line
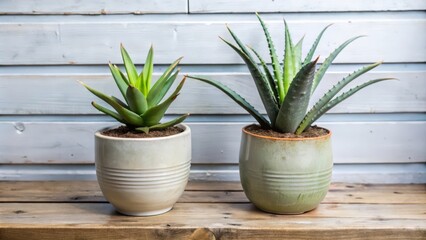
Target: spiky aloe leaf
<point>289,66</point>
<point>238,99</point>
<point>308,121</point>
<point>132,74</point>
<point>262,84</point>
<point>153,115</point>
<point>122,84</point>
<point>326,64</point>
<point>334,90</point>
<point>164,125</point>
<point>152,97</point>
<point>311,52</point>
<point>268,74</point>
<point>120,102</point>
<point>136,99</point>
<point>108,112</point>
<point>272,52</point>
<point>297,55</point>
<point>128,116</point>
<point>144,79</point>
<point>296,102</point>
<point>158,94</point>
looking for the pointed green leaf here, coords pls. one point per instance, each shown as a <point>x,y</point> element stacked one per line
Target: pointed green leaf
<point>272,52</point>
<point>130,67</point>
<point>297,55</point>
<point>334,90</point>
<point>296,101</point>
<point>108,112</point>
<point>262,84</point>
<point>157,94</point>
<point>311,52</point>
<point>120,102</point>
<point>159,84</point>
<point>146,75</point>
<point>136,99</point>
<point>268,74</point>
<point>326,64</point>
<point>121,83</point>
<point>308,121</point>
<point>153,115</point>
<point>238,99</point>
<point>128,116</point>
<point>289,64</point>
<point>168,124</point>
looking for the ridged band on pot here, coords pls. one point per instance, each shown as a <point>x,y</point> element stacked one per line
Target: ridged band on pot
<point>285,175</point>
<point>143,176</point>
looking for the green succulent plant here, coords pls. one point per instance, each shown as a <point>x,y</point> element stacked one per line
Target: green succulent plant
<point>285,92</point>
<point>142,109</point>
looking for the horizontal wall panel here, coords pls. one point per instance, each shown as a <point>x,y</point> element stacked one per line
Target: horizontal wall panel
<point>92,6</point>
<point>61,94</point>
<point>239,6</point>
<point>96,39</point>
<point>72,142</point>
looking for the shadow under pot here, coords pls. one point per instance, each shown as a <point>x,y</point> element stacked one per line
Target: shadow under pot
<point>143,176</point>
<point>285,175</point>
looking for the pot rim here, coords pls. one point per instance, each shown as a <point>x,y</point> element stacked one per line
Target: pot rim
<point>286,138</point>
<point>186,131</point>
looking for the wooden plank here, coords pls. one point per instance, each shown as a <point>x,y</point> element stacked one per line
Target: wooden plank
<point>92,7</point>
<point>224,221</point>
<point>250,6</point>
<point>75,40</point>
<point>405,95</point>
<point>208,192</point>
<point>72,142</point>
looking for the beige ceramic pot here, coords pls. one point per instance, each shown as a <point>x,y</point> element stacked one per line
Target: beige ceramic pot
<point>285,175</point>
<point>143,176</point>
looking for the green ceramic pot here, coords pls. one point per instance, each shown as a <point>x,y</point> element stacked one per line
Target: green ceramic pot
<point>285,175</point>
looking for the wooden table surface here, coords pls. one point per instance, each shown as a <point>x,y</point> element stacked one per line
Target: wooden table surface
<point>210,210</point>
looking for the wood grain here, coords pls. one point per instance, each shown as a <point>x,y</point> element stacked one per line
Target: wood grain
<point>92,7</point>
<point>208,192</point>
<point>250,6</point>
<point>75,40</point>
<point>41,93</point>
<point>44,209</point>
<point>213,142</point>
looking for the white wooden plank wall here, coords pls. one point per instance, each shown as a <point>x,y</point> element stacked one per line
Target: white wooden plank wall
<point>46,45</point>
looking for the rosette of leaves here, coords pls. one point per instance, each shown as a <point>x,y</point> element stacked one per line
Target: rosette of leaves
<point>142,108</point>
<point>286,90</point>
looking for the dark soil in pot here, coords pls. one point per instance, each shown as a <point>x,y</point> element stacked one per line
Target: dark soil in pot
<point>125,132</point>
<point>313,131</point>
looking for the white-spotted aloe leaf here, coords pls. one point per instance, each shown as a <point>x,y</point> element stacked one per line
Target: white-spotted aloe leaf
<point>272,52</point>
<point>132,74</point>
<point>333,91</point>
<point>327,62</point>
<point>238,99</point>
<point>296,101</point>
<point>136,99</point>
<point>262,84</point>
<point>308,121</point>
<point>311,52</point>
<point>128,116</point>
<point>268,74</point>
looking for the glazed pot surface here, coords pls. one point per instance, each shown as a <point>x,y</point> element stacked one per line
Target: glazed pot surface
<point>143,176</point>
<point>285,175</point>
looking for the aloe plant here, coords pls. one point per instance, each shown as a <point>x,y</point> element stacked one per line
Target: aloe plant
<point>285,92</point>
<point>141,109</point>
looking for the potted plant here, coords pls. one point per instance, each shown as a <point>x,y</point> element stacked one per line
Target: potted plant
<point>285,163</point>
<point>142,166</point>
